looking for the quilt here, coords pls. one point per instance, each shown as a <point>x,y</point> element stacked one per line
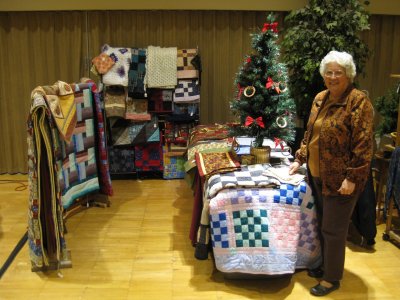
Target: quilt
<point>46,240</point>
<point>76,161</point>
<point>264,231</point>
<point>137,71</point>
<point>187,90</point>
<point>136,110</point>
<point>122,160</point>
<point>215,162</point>
<point>102,155</point>
<point>149,157</point>
<point>184,63</point>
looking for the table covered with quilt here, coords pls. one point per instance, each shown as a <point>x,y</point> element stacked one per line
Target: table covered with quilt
<point>257,223</point>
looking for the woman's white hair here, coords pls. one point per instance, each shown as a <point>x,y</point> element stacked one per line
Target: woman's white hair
<point>343,59</point>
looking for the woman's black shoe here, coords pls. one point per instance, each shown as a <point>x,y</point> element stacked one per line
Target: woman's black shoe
<point>320,290</point>
<point>315,273</point>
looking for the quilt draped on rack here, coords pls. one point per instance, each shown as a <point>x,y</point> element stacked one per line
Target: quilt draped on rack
<point>45,214</point>
<point>76,161</point>
<point>62,163</point>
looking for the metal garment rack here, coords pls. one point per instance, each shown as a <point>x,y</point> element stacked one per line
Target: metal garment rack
<point>392,233</point>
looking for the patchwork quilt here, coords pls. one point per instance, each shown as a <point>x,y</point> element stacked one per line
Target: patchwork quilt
<point>76,160</point>
<point>137,71</point>
<point>149,157</point>
<point>264,231</point>
<point>257,224</point>
<point>184,63</point>
<point>187,90</point>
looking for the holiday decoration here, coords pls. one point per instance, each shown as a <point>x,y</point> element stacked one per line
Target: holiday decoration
<point>262,103</point>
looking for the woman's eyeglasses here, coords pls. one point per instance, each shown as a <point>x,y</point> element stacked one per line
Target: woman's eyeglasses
<point>332,74</point>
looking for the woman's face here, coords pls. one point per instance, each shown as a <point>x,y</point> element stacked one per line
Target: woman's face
<point>335,79</point>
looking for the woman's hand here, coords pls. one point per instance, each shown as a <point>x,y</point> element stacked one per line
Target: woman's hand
<point>347,187</point>
<point>294,167</point>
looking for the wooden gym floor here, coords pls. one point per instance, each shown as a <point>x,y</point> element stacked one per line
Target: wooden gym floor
<point>138,248</point>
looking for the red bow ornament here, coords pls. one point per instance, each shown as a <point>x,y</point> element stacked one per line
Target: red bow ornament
<point>271,84</point>
<point>272,26</point>
<point>250,121</point>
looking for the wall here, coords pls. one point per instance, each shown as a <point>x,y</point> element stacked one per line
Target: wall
<point>390,7</point>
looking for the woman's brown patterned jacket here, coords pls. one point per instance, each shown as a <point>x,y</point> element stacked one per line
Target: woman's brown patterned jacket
<point>345,142</point>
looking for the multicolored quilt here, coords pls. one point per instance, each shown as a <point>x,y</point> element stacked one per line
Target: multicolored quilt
<point>137,71</point>
<point>102,156</point>
<point>208,132</point>
<point>187,90</point>
<point>258,225</point>
<point>264,231</point>
<point>149,157</point>
<point>76,160</point>
<point>45,214</point>
<point>215,162</point>
<point>184,63</point>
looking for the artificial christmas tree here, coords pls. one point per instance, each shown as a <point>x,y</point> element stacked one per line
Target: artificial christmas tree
<point>262,103</point>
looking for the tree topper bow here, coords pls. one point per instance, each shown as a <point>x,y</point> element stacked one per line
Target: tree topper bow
<point>272,26</point>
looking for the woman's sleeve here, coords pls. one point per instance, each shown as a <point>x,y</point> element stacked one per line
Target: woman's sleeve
<point>361,141</point>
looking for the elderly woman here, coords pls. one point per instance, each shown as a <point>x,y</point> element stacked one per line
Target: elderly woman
<point>337,148</point>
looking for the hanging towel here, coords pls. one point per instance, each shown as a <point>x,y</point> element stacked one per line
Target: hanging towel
<point>161,67</point>
<point>118,74</point>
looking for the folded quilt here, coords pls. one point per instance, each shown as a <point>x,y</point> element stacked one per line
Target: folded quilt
<point>160,100</point>
<point>187,90</point>
<point>184,64</point>
<point>215,162</point>
<point>125,132</point>
<point>45,214</point>
<point>115,101</point>
<point>136,109</point>
<point>247,176</point>
<point>208,132</point>
<point>282,174</point>
<point>61,102</point>
<point>161,67</point>
<point>118,73</point>
<point>137,72</point>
